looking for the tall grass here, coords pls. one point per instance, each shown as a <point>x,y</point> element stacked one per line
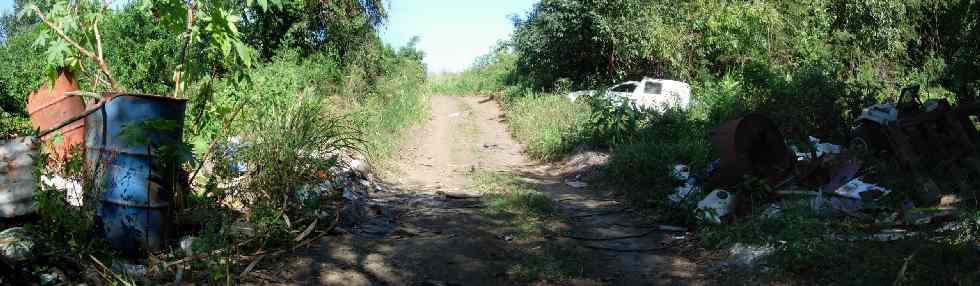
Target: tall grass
<point>401,103</point>
<point>488,75</point>
<point>464,83</point>
<point>549,125</point>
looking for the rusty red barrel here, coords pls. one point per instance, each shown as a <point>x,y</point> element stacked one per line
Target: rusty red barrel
<point>751,146</point>
<point>49,107</point>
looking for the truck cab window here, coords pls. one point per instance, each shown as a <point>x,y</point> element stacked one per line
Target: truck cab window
<point>629,87</point>
<point>653,88</point>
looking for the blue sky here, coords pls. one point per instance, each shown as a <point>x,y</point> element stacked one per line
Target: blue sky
<point>6,6</point>
<point>452,32</point>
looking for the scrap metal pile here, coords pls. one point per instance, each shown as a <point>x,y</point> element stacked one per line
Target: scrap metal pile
<point>932,144</point>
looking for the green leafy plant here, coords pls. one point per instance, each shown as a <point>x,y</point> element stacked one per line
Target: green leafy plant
<point>70,32</point>
<point>614,120</point>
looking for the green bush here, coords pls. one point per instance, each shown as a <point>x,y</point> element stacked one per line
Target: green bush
<point>549,125</point>
<point>488,75</point>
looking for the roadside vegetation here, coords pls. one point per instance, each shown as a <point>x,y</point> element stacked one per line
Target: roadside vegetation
<point>488,75</point>
<point>290,104</point>
<point>810,66</point>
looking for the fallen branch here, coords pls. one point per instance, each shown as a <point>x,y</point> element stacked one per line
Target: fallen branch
<point>207,154</point>
<point>803,193</point>
<point>307,231</point>
<point>625,250</point>
<point>105,270</point>
<point>251,266</point>
<point>457,196</point>
<point>202,255</point>
<point>905,266</point>
<point>94,108</point>
<point>611,238</point>
<point>599,213</point>
<point>661,227</point>
<point>187,35</point>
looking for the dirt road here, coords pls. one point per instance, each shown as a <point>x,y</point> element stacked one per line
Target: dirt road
<point>448,241</point>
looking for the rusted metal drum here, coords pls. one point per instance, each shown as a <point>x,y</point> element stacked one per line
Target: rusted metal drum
<point>50,106</point>
<point>751,146</point>
<point>126,142</point>
<point>17,182</point>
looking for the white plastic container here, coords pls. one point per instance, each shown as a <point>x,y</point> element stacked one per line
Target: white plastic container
<point>716,205</point>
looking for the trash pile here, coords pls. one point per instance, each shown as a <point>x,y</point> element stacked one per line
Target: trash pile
<point>135,188</point>
<point>933,143</point>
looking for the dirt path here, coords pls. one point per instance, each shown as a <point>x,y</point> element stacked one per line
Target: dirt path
<point>440,240</point>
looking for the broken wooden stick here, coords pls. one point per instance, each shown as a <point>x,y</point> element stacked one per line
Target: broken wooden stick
<point>626,249</point>
<point>458,196</point>
<point>611,238</point>
<point>307,231</point>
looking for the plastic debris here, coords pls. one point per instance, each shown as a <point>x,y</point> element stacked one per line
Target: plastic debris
<point>857,189</point>
<point>820,148</point>
<point>773,211</point>
<point>350,194</point>
<point>359,166</point>
<point>890,235</point>
<point>883,236</point>
<point>824,148</point>
<point>235,144</point>
<point>683,173</point>
<point>576,184</point>
<point>716,205</point>
<point>187,245</point>
<point>928,216</point>
<point>72,189</point>
<point>15,245</point>
<point>310,192</point>
<point>747,255</point>
<point>53,277</point>
<point>129,269</point>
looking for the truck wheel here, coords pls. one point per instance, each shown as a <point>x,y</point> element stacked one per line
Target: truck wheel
<point>868,138</point>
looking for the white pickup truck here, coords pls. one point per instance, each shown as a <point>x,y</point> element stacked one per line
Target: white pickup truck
<point>647,94</point>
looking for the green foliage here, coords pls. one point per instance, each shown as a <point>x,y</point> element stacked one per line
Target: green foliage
<point>62,230</point>
<point>549,125</point>
<point>488,75</point>
<point>347,27</point>
<point>613,120</point>
<point>294,141</point>
<point>828,58</point>
<point>19,75</point>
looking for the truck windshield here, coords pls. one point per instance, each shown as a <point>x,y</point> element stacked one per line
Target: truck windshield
<point>626,87</point>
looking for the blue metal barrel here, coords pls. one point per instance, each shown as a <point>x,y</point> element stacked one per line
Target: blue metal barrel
<point>126,151</point>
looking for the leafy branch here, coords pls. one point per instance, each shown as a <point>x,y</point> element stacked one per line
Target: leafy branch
<point>95,57</point>
<point>72,32</point>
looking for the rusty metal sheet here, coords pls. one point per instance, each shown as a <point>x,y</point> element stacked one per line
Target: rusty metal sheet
<point>17,181</point>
